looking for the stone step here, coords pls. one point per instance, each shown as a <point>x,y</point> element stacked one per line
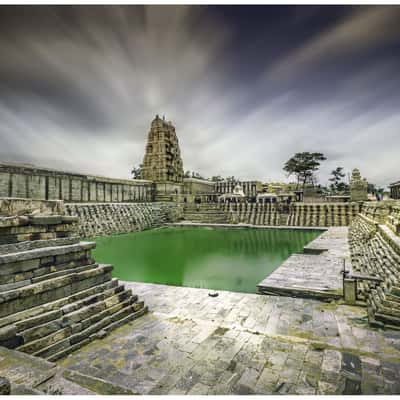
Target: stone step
<point>39,253</point>
<point>41,326</point>
<point>393,298</point>
<point>17,234</point>
<point>38,337</point>
<point>36,244</point>
<point>97,385</point>
<point>203,215</point>
<point>20,368</point>
<point>387,319</point>
<point>395,290</point>
<point>33,295</point>
<point>389,311</point>
<point>123,311</point>
<point>64,272</point>
<point>203,218</point>
<point>36,313</point>
<point>26,272</point>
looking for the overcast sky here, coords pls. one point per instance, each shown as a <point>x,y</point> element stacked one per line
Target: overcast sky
<point>245,87</point>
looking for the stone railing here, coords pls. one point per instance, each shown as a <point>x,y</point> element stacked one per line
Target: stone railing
<point>27,181</point>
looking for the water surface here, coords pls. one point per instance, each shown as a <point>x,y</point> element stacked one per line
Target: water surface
<point>227,259</point>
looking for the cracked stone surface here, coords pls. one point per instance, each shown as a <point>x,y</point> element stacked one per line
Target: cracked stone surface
<point>239,343</point>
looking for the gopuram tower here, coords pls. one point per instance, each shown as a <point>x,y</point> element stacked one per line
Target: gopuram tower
<point>162,161</point>
<point>358,187</point>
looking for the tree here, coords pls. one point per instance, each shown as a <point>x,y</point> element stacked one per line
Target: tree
<point>196,175</point>
<point>232,179</point>
<point>372,188</point>
<point>137,172</point>
<point>304,166</point>
<point>337,184</point>
<point>217,178</point>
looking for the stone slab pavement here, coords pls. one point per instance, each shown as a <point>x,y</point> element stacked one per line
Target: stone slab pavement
<point>240,343</point>
<point>315,274</point>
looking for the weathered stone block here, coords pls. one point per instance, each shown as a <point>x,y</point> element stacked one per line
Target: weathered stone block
<point>5,386</point>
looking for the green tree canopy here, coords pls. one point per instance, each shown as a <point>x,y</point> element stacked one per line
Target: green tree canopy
<point>137,172</point>
<point>337,184</point>
<point>304,166</point>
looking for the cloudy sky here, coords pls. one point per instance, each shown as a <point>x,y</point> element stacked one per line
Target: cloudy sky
<point>246,87</point>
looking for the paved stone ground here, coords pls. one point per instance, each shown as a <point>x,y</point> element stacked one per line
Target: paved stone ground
<point>312,275</point>
<point>238,343</point>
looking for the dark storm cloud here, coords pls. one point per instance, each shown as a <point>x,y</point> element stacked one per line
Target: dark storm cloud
<point>245,86</point>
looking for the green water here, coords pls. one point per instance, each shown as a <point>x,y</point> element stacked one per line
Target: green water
<point>227,259</point>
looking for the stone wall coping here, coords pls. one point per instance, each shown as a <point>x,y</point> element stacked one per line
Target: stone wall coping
<point>30,168</point>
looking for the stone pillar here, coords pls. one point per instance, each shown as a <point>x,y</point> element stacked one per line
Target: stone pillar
<point>350,291</point>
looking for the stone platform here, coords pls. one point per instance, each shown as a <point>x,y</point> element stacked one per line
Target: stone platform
<point>315,274</point>
<point>239,343</point>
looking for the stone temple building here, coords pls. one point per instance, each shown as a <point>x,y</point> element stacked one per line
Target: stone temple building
<point>162,161</point>
<point>358,187</point>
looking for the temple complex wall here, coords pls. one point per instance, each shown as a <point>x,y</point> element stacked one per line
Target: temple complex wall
<point>28,181</point>
<point>297,214</point>
<point>116,218</point>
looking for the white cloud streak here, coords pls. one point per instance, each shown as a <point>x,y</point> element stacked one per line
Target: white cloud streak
<point>103,79</point>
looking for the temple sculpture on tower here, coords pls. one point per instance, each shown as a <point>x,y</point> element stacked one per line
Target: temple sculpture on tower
<point>162,160</point>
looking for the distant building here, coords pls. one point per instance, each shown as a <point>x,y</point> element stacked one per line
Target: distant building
<point>162,160</point>
<point>358,187</point>
<point>250,188</point>
<point>395,190</point>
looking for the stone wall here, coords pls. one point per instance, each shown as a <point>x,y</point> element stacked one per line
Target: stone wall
<point>375,253</point>
<point>383,212</point>
<point>323,214</point>
<point>253,213</point>
<point>115,218</point>
<point>297,214</point>
<point>374,238</point>
<point>27,181</point>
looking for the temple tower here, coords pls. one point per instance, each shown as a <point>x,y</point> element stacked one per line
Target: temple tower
<point>358,187</point>
<point>162,160</point>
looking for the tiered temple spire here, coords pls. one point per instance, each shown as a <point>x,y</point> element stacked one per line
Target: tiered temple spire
<point>162,161</point>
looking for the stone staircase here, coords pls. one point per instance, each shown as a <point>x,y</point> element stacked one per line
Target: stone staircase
<point>207,213</point>
<point>375,251</point>
<point>54,297</point>
<point>161,197</point>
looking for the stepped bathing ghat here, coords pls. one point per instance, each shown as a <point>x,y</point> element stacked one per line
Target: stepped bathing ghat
<point>325,321</point>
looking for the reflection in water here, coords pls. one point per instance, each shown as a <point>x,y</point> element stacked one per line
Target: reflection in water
<point>228,259</point>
